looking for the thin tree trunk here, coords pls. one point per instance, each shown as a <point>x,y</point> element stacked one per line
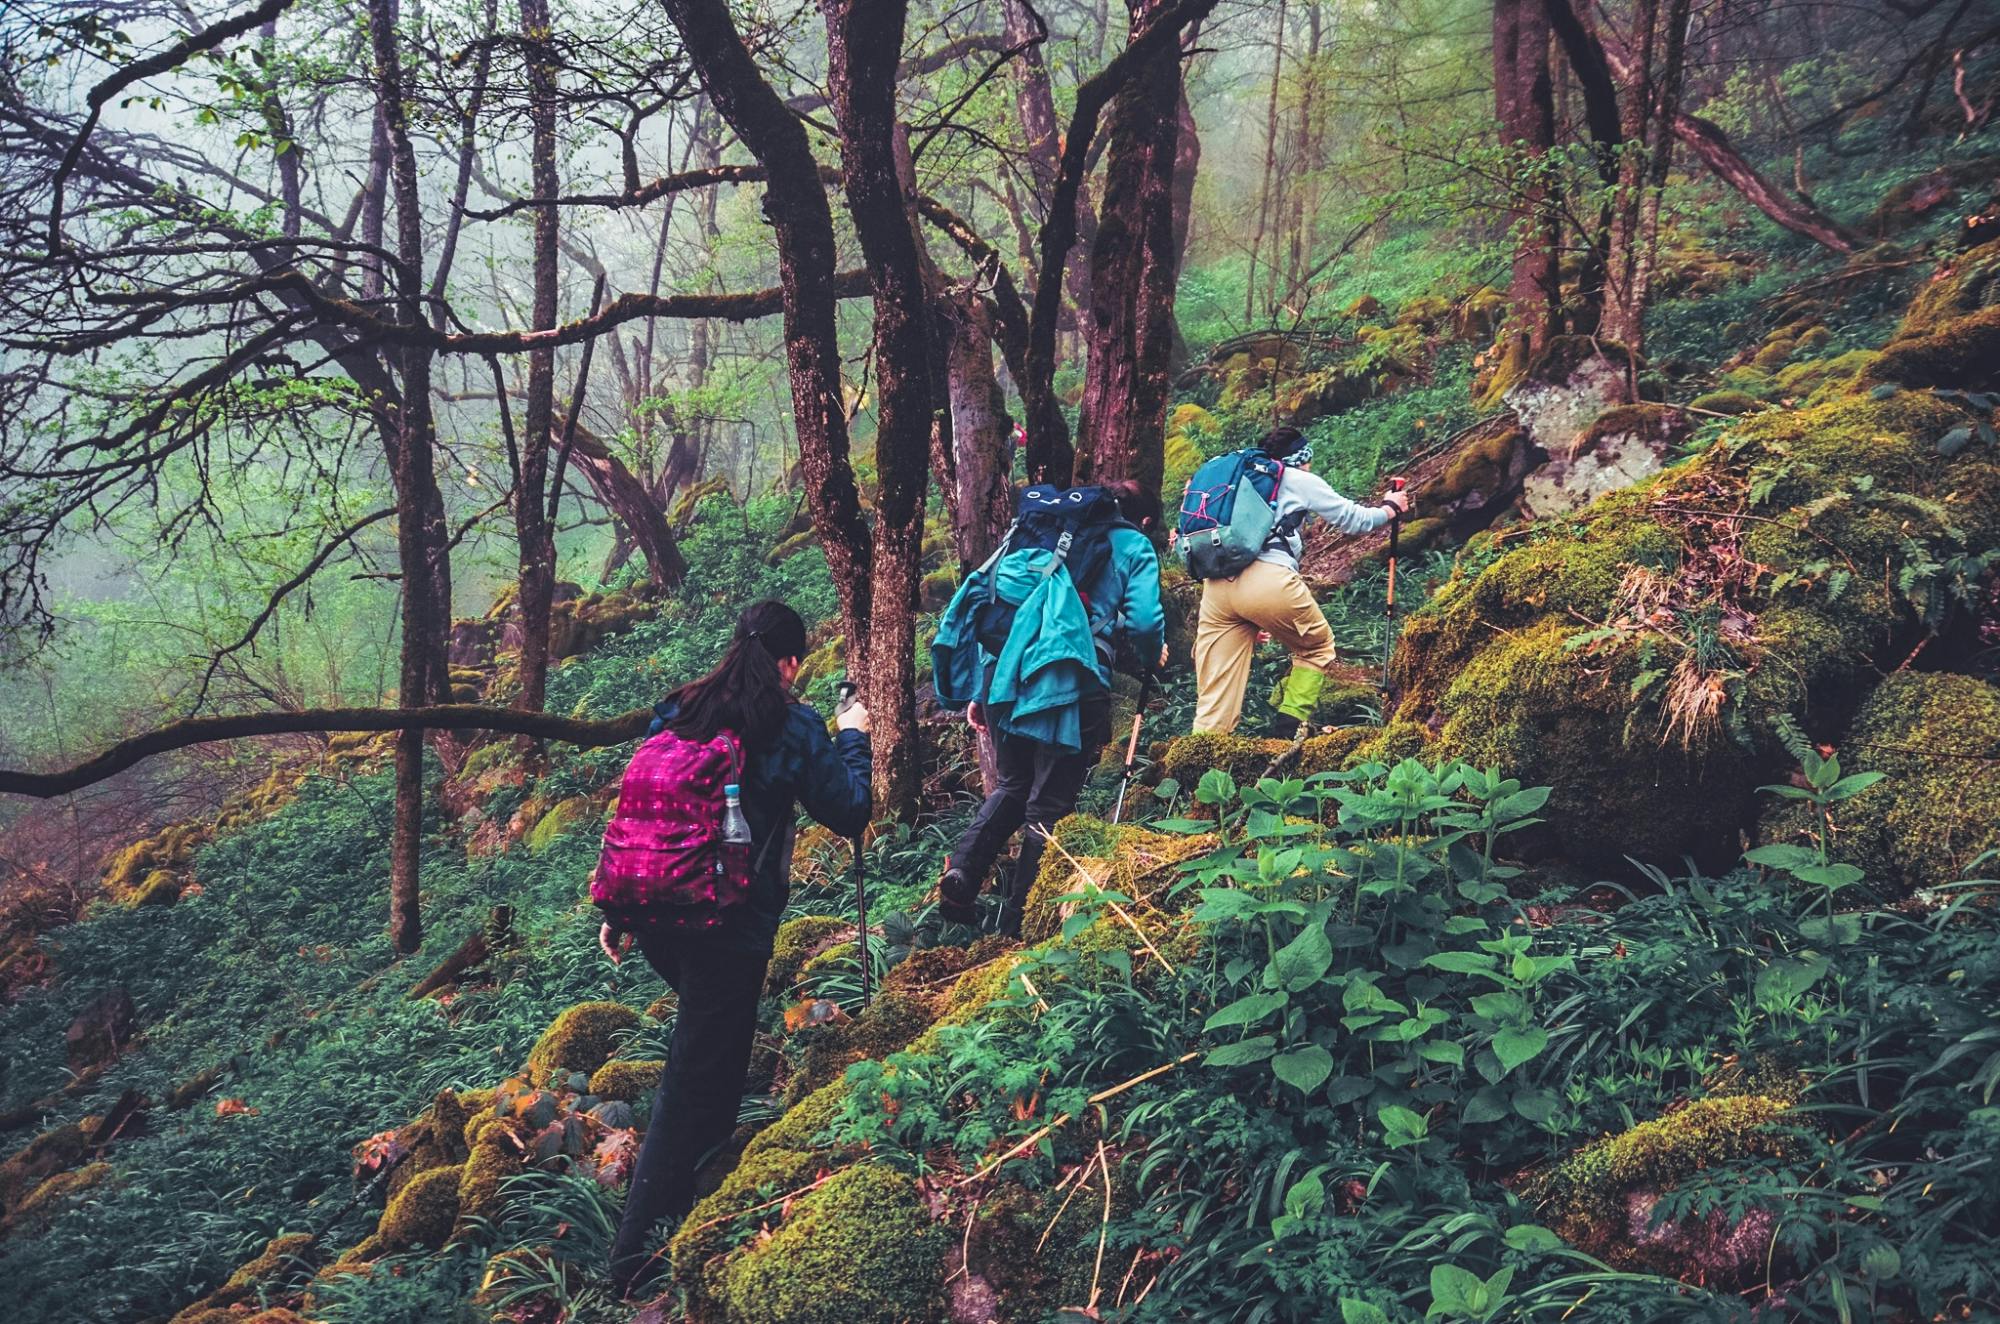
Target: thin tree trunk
<point>864,44</point>
<point>982,441</point>
<point>420,536</point>
<point>1035,102</point>
<point>1270,170</point>
<point>1525,102</point>
<point>1306,159</point>
<point>535,535</point>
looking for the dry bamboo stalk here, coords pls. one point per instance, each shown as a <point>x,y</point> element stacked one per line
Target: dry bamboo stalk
<point>1116,909</point>
<point>1062,1118</point>
<point>1103,1230</point>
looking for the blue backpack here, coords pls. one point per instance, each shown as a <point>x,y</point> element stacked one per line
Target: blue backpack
<point>1228,513</point>
<point>1075,523</point>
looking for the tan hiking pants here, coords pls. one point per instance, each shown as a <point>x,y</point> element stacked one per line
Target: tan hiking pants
<point>1263,597</point>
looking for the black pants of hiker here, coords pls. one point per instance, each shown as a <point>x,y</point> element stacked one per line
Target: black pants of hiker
<point>696,1106</point>
<point>1039,784</point>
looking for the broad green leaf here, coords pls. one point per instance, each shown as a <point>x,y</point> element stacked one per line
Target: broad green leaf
<point>1346,1089</point>
<point>1304,960</point>
<point>1782,983</point>
<point>1501,1006</point>
<point>1781,857</point>
<point>1305,1069</point>
<point>1455,1290</point>
<point>1532,1236</point>
<point>1461,963</point>
<point>1247,1011</point>
<point>1360,1312</point>
<point>1513,1047</point>
<point>1485,1105</point>
<point>1535,1105</point>
<point>1254,1049</point>
<point>1446,1051</point>
<point>1403,1126</point>
<point>1460,925</point>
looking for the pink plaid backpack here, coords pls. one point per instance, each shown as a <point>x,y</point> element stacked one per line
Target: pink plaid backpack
<point>665,863</point>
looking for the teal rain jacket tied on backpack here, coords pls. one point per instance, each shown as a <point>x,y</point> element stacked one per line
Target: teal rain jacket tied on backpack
<point>1056,650</point>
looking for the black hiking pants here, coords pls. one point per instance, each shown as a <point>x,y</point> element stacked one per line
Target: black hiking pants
<point>1039,784</point>
<point>696,1106</point>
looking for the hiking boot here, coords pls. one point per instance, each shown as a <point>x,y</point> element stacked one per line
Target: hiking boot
<point>958,898</point>
<point>1284,726</point>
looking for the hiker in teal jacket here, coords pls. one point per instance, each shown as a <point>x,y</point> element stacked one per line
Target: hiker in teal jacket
<point>1045,697</point>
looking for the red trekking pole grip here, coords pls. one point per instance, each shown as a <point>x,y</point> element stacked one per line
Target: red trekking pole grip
<point>1395,526</point>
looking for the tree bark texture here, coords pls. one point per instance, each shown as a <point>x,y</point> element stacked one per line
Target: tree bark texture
<point>534,532</point>
<point>864,44</point>
<point>1133,268</point>
<point>795,203</point>
<point>1525,101</point>
<point>421,535</point>
<point>982,442</point>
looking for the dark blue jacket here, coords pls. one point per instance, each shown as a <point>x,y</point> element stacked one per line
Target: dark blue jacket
<point>826,775</point>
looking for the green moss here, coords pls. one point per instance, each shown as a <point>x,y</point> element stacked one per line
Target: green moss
<point>49,1153</point>
<point>861,1249</point>
<point>1583,1197</point>
<point>1937,737</point>
<point>43,1201</point>
<point>496,1156</point>
<point>1962,352</point>
<point>562,817</point>
<point>890,1021</point>
<point>1726,402</point>
<point>1970,283</point>
<point>936,588</point>
<point>581,1039</point>
<point>162,887</point>
<point>798,941</point>
<point>423,1212</point>
<point>626,1081</point>
<point>1243,757</point>
<point>436,1140</point>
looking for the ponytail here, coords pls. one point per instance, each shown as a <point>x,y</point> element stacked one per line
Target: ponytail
<point>744,693</point>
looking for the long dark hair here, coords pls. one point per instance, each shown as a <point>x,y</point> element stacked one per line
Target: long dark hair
<point>744,693</point>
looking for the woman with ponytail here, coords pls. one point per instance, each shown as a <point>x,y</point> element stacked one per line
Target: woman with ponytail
<point>788,761</point>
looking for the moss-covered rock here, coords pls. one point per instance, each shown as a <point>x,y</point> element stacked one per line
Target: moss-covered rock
<point>889,1023</point>
<point>423,1212</point>
<point>861,1249</point>
<point>162,887</point>
<point>435,1140</point>
<point>1635,657</point>
<point>626,1081</point>
<point>1124,858</point>
<point>799,940</point>
<point>562,818</point>
<point>47,1198</point>
<point>1937,739</point>
<point>53,1151</point>
<point>1600,1198</point>
<point>581,1039</point>
<point>283,1261</point>
<point>1963,352</point>
<point>496,1155</point>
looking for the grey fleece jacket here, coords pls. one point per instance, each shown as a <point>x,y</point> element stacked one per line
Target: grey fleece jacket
<point>1301,493</point>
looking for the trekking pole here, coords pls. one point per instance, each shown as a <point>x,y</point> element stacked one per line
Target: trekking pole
<point>1389,603</point>
<point>1132,745</point>
<point>848,692</point>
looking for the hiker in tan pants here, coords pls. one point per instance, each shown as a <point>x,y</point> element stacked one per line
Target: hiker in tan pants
<point>1270,596</point>
<point>1234,612</point>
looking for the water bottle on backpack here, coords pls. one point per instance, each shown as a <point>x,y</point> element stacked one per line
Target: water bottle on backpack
<point>735,827</point>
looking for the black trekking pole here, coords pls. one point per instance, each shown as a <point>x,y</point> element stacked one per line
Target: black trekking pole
<point>1389,603</point>
<point>1132,745</point>
<point>848,692</point>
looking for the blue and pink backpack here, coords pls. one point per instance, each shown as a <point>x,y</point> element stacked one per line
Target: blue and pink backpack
<point>1229,513</point>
